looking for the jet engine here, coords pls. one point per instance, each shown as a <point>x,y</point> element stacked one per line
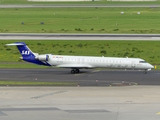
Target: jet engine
<point>42,57</point>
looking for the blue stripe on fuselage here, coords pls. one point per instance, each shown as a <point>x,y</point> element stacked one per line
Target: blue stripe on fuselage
<point>33,60</point>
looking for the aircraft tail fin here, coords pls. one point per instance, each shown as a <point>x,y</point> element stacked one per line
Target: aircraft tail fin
<point>29,56</point>
<point>23,49</point>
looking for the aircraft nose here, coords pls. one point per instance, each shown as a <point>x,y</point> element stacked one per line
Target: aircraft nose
<point>151,66</point>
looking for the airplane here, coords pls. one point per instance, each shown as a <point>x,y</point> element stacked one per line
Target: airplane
<point>80,62</point>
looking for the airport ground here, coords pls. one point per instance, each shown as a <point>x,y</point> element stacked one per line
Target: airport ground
<point>91,77</point>
<point>80,20</point>
<point>99,94</point>
<point>93,2</point>
<point>123,95</point>
<point>80,103</point>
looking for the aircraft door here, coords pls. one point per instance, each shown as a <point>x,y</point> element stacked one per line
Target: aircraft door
<point>119,64</point>
<point>82,61</point>
<point>78,60</point>
<point>133,65</point>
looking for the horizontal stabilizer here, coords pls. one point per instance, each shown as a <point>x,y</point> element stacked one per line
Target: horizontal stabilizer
<point>23,49</point>
<point>17,44</point>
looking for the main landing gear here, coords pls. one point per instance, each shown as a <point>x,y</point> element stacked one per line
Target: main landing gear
<point>145,72</point>
<point>74,71</point>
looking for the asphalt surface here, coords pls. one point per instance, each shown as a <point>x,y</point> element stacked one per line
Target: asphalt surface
<point>61,36</point>
<point>91,77</point>
<point>78,5</point>
<point>80,103</point>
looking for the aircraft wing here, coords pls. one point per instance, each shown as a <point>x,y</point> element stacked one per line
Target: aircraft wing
<point>74,66</point>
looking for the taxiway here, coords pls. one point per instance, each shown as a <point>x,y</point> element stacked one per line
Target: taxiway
<point>60,36</point>
<point>93,77</point>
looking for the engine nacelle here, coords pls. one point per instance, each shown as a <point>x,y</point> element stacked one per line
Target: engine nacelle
<point>42,57</point>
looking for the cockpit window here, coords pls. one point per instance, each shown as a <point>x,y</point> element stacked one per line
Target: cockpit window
<point>142,62</point>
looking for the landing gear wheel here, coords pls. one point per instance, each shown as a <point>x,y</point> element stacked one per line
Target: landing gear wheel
<point>77,70</point>
<point>72,71</point>
<point>145,72</point>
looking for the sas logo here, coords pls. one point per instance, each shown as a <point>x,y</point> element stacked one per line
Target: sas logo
<point>25,52</point>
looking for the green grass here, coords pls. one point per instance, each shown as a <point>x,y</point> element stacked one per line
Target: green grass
<point>148,50</point>
<point>80,20</point>
<point>27,83</point>
<point>20,65</point>
<point>95,2</point>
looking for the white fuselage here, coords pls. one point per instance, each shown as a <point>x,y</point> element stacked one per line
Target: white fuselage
<point>80,62</point>
<point>97,62</point>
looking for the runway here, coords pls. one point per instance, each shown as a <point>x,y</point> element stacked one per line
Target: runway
<point>92,77</point>
<point>64,36</point>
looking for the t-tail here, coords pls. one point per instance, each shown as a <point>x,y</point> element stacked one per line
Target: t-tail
<point>28,55</point>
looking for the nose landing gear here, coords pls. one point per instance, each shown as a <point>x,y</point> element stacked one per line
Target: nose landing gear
<point>145,72</point>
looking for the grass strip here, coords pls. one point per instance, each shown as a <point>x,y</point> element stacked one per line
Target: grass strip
<point>20,65</point>
<point>80,20</point>
<point>28,83</point>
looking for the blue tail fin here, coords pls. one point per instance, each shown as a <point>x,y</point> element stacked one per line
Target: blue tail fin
<point>23,49</point>
<point>27,54</point>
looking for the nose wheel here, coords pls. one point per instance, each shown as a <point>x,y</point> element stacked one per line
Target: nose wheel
<point>145,72</point>
<point>74,71</point>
